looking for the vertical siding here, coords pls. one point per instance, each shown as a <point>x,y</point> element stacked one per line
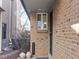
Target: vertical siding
<point>0,3</point>
<point>5,19</point>
<point>9,18</point>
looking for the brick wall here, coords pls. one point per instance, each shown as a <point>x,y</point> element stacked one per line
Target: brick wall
<point>40,39</point>
<point>65,39</point>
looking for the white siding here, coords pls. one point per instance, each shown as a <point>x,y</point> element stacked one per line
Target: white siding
<point>0,3</point>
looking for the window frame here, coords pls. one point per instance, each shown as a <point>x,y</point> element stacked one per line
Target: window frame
<point>4,37</point>
<point>42,29</point>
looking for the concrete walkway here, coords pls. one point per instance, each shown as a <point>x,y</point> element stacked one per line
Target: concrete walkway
<point>9,55</point>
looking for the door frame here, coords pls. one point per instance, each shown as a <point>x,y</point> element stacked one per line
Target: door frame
<point>50,32</point>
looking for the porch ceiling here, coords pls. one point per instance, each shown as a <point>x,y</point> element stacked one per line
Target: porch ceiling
<point>34,5</point>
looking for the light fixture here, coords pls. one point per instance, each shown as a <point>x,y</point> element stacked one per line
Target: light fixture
<point>75,27</point>
<point>39,9</point>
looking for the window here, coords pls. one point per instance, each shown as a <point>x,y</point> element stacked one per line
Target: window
<point>3,31</point>
<point>41,21</point>
<point>33,48</point>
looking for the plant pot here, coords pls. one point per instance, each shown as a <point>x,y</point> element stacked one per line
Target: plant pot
<point>22,55</point>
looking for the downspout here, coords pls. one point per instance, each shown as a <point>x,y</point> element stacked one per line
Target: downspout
<point>10,23</point>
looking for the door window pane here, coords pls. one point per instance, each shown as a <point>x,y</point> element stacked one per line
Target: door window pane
<point>33,48</point>
<point>39,17</point>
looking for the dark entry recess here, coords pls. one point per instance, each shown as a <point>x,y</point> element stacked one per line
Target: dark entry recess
<point>33,48</point>
<point>51,22</point>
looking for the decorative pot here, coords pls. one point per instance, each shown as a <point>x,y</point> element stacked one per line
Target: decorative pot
<point>28,55</point>
<point>22,55</point>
